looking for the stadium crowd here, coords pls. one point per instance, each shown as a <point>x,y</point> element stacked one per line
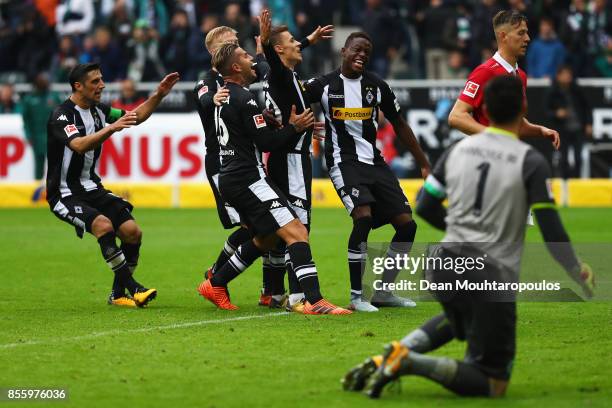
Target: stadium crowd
<point>434,39</point>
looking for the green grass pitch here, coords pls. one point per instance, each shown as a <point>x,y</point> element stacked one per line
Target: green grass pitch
<point>57,331</point>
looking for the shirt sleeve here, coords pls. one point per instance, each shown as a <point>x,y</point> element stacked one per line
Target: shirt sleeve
<point>262,68</point>
<point>278,71</point>
<point>473,91</point>
<point>204,96</point>
<point>388,102</point>
<point>265,138</point>
<point>62,127</point>
<point>537,177</point>
<point>435,184</point>
<point>111,114</point>
<point>314,89</point>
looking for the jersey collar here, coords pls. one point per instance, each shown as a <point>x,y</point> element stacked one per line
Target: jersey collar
<point>511,70</point>
<point>498,131</point>
<point>351,79</point>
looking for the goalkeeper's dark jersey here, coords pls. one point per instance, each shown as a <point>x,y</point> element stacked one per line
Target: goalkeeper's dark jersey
<point>351,110</point>
<point>242,134</point>
<point>71,173</point>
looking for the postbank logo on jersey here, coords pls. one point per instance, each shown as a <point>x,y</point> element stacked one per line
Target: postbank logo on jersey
<point>351,113</point>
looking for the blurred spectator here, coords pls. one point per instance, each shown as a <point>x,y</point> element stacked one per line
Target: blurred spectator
<point>66,58</point>
<point>35,43</point>
<point>235,19</point>
<point>74,17</point>
<point>145,63</point>
<point>120,23</point>
<point>482,30</point>
<point>175,47</point>
<point>572,32</point>
<point>546,53</point>
<point>437,25</point>
<point>200,57</point>
<point>598,29</point>
<point>283,13</point>
<point>47,8</point>
<point>154,13</point>
<point>8,100</point>
<point>106,53</point>
<point>129,98</point>
<point>527,10</point>
<point>383,27</point>
<point>36,108</point>
<point>603,64</point>
<point>455,67</point>
<point>570,115</point>
<point>87,50</point>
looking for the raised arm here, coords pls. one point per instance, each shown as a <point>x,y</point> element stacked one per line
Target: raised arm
<point>86,143</point>
<point>147,107</point>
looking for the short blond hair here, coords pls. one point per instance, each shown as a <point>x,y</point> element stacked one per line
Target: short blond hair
<point>213,37</point>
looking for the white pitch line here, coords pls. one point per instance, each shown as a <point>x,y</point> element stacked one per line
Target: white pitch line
<point>140,330</point>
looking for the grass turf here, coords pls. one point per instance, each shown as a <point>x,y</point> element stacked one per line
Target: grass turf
<point>57,331</point>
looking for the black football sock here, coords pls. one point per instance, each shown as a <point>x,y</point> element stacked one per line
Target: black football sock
<point>357,252</point>
<point>115,259</point>
<point>236,238</point>
<point>266,269</point>
<point>295,290</point>
<point>277,271</point>
<point>461,378</point>
<point>432,335</point>
<point>400,245</point>
<point>246,254</point>
<point>305,270</point>
<point>132,253</point>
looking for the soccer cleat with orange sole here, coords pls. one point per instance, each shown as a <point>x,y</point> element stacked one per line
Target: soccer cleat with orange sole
<point>324,307</point>
<point>218,295</point>
<point>395,354</point>
<point>144,296</point>
<point>123,301</point>
<point>356,378</point>
<point>264,300</point>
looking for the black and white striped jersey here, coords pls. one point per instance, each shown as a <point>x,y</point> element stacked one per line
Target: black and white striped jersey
<point>351,109</point>
<point>203,92</point>
<point>282,89</point>
<point>70,173</point>
<point>243,134</point>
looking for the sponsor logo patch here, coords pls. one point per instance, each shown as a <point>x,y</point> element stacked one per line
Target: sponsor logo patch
<point>62,117</point>
<point>335,96</point>
<point>298,203</point>
<point>369,97</point>
<point>352,113</point>
<point>275,204</point>
<point>78,209</point>
<point>252,102</point>
<point>203,90</point>
<point>71,130</point>
<point>355,192</point>
<point>470,89</point>
<point>259,121</point>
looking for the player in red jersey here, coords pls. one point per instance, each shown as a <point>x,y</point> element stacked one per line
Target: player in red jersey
<point>468,114</point>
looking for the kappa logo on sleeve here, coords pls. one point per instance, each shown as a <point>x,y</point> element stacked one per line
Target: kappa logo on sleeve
<point>203,90</point>
<point>252,102</point>
<point>259,121</point>
<point>471,88</point>
<point>71,130</point>
<point>62,117</point>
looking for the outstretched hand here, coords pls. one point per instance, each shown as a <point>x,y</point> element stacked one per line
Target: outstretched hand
<point>552,134</point>
<point>321,33</point>
<point>302,121</point>
<point>166,84</point>
<point>265,25</point>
